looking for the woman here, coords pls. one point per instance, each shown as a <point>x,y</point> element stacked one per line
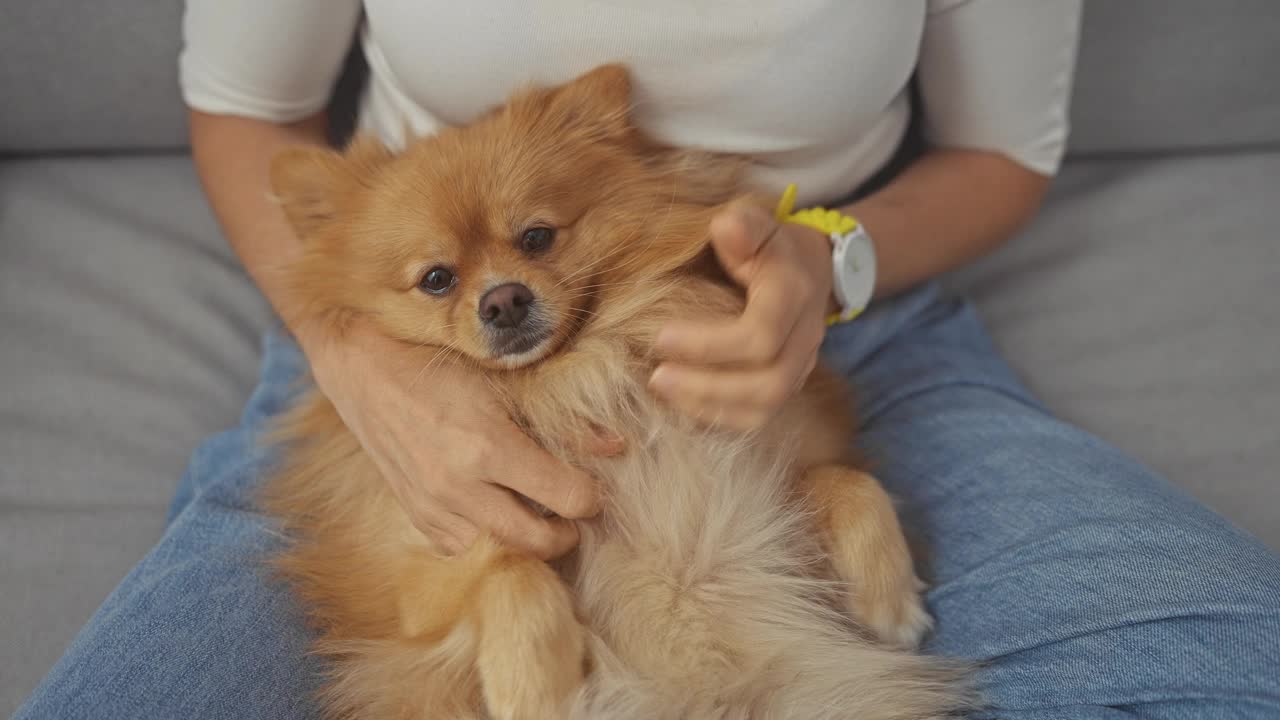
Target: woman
<point>1086,586</point>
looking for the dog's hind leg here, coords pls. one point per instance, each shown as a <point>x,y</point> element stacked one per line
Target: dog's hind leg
<point>864,540</point>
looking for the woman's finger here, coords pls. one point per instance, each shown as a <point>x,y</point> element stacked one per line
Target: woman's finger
<point>512,522</point>
<point>533,472</point>
<point>710,390</point>
<point>755,337</point>
<point>718,391</point>
<point>451,533</point>
<point>738,399</point>
<point>603,443</point>
<point>738,233</point>
<point>736,416</point>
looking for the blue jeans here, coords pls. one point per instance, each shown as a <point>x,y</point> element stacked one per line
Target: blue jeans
<point>1084,585</point>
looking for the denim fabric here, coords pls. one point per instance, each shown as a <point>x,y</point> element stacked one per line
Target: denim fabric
<point>1084,586</point>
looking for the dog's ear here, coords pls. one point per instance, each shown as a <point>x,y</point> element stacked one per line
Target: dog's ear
<point>313,184</point>
<point>597,102</point>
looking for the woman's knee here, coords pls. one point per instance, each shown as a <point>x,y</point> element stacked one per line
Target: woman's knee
<point>1077,576</point>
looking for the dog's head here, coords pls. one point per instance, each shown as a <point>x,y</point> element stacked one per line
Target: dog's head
<point>501,239</point>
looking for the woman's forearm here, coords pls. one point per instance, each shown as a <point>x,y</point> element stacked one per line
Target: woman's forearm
<point>233,158</point>
<point>948,208</point>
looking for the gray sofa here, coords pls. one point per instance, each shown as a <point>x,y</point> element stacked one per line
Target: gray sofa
<point>1142,304</point>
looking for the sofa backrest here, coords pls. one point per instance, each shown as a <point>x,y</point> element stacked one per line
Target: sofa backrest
<point>90,76</point>
<point>1158,75</point>
<point>1154,75</point>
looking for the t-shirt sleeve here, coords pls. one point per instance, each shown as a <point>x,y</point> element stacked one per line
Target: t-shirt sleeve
<point>272,60</point>
<point>996,75</point>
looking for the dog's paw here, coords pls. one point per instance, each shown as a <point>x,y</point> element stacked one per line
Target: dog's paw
<point>542,688</point>
<point>895,616</point>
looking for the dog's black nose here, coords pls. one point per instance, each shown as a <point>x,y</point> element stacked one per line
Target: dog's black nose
<point>506,306</point>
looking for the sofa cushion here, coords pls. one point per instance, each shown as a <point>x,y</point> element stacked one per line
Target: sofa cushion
<point>1140,305</point>
<point>129,333</point>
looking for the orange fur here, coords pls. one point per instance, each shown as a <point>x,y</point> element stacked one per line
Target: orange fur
<point>707,588</point>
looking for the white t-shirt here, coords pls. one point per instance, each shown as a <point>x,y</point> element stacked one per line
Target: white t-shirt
<point>815,91</point>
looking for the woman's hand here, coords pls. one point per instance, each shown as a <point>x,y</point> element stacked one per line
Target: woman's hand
<point>449,451</point>
<point>739,373</point>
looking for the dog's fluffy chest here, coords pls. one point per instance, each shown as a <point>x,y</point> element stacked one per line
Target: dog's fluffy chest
<point>698,530</point>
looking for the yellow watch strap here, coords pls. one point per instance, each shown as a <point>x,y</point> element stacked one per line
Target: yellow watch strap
<point>828,222</point>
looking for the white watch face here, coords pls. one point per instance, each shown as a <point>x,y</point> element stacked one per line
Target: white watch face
<point>855,269</point>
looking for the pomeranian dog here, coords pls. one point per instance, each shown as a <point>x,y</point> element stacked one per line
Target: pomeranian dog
<point>728,576</point>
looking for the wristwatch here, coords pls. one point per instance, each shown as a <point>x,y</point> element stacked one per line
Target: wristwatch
<point>853,256</point>
<point>853,269</point>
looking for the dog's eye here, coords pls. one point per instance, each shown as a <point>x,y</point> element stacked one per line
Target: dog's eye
<point>437,281</point>
<point>537,239</point>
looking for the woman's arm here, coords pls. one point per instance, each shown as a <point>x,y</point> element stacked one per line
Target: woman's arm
<point>947,209</point>
<point>995,79</point>
<point>257,76</point>
<point>454,481</point>
<point>232,156</point>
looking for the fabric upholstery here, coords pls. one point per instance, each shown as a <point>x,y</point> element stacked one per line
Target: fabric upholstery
<point>90,76</point>
<point>1177,74</point>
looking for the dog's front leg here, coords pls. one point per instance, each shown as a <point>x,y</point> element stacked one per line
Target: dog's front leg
<point>532,647</point>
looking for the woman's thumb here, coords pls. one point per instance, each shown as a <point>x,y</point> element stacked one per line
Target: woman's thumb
<point>737,234</point>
